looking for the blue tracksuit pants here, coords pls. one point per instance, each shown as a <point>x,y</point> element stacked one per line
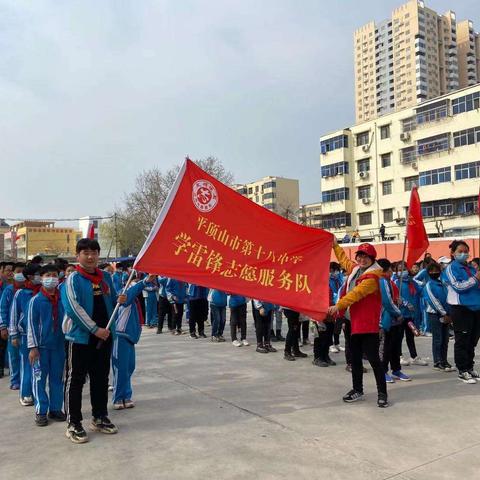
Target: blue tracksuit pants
<point>151,309</point>
<point>13,363</point>
<point>25,369</point>
<point>51,363</point>
<point>123,364</point>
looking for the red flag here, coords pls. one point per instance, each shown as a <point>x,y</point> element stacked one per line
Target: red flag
<point>210,235</point>
<point>91,231</point>
<point>417,239</point>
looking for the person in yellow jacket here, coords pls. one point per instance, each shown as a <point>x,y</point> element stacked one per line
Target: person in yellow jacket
<point>361,300</point>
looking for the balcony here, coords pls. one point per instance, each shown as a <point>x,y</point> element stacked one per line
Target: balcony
<point>408,156</point>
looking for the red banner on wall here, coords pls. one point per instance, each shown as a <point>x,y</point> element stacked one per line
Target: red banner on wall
<point>210,235</point>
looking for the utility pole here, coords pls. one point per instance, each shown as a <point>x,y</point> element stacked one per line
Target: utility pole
<point>116,233</point>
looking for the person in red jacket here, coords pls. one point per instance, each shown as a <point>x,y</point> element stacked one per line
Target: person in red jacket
<point>361,301</point>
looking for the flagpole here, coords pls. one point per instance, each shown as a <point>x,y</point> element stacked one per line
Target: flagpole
<point>117,306</point>
<point>403,263</point>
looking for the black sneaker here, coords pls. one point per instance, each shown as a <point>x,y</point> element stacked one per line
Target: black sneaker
<point>439,367</point>
<point>221,338</point>
<point>382,401</point>
<point>57,416</point>
<point>300,354</point>
<point>159,331</point>
<point>289,357</point>
<point>330,361</point>
<point>76,433</point>
<point>269,347</point>
<point>202,335</point>
<point>41,420</point>
<point>103,425</point>
<point>348,367</point>
<point>320,363</point>
<point>2,373</point>
<point>279,337</point>
<point>193,335</point>
<point>353,396</point>
<point>261,348</point>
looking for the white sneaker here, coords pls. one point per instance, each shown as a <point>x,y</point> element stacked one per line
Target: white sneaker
<point>236,343</point>
<point>129,403</point>
<point>26,401</point>
<point>342,349</point>
<point>419,361</point>
<point>118,406</point>
<point>474,373</point>
<point>333,349</point>
<point>405,362</point>
<point>465,377</point>
<point>245,343</point>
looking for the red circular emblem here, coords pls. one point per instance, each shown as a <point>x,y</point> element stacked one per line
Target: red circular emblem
<point>204,196</point>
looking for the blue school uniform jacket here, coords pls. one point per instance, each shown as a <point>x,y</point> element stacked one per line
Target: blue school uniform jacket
<point>236,301</point>
<point>435,296</point>
<point>217,298</point>
<point>42,330</point>
<point>127,322</point>
<point>258,304</point>
<point>462,286</point>
<point>117,281</point>
<point>162,282</point>
<point>390,312</point>
<point>176,291</point>
<point>5,305</point>
<point>18,312</point>
<point>335,283</point>
<point>77,300</point>
<point>410,295</point>
<point>195,292</point>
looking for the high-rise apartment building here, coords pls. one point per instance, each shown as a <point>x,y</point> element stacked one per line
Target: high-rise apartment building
<point>278,194</point>
<point>414,56</point>
<point>368,170</point>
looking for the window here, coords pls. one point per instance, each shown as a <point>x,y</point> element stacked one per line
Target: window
<point>257,188</point>
<point>340,168</point>
<point>408,155</point>
<point>466,103</point>
<point>363,192</point>
<point>269,206</point>
<point>466,137</point>
<point>385,131</point>
<point>362,138</point>
<point>388,215</point>
<point>267,196</point>
<point>363,165</point>
<point>431,113</point>
<point>467,170</point>
<point>337,220</point>
<point>433,177</point>
<point>365,218</point>
<point>410,182</point>
<point>427,211</point>
<point>437,143</point>
<point>409,124</point>
<point>250,190</point>
<point>271,184</point>
<point>445,209</point>
<point>341,141</point>
<point>386,160</point>
<point>387,187</point>
<point>335,195</point>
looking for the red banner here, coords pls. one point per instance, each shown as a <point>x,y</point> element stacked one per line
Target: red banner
<point>417,238</point>
<point>210,235</point>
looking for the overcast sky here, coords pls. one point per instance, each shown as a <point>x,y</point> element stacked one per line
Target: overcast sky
<point>94,91</point>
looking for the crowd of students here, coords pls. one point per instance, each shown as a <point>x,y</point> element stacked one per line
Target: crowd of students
<point>54,325</point>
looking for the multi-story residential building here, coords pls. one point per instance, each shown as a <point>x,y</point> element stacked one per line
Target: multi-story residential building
<point>368,170</point>
<point>412,57</point>
<point>108,244</point>
<point>281,195</point>
<point>29,238</point>
<point>310,215</point>
<point>4,228</point>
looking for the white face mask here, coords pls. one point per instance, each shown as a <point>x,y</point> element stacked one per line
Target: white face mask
<point>19,277</point>
<point>49,283</point>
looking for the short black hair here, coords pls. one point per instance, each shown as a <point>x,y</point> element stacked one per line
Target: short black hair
<point>334,266</point>
<point>456,243</point>
<point>48,269</point>
<point>61,263</point>
<point>20,265</point>
<point>87,244</point>
<point>37,259</point>
<point>31,269</point>
<point>8,263</point>
<point>385,264</point>
<point>433,266</point>
<point>102,266</point>
<point>476,260</point>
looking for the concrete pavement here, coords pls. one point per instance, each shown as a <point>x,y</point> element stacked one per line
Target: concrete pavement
<point>208,410</point>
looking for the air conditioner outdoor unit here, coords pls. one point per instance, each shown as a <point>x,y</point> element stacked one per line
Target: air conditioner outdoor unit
<point>415,165</point>
<point>342,225</point>
<point>405,136</point>
<point>363,175</point>
<point>365,148</point>
<point>366,201</point>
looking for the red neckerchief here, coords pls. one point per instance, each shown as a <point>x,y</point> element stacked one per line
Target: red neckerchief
<point>18,286</point>
<point>467,269</point>
<point>53,299</point>
<point>412,289</point>
<point>32,286</point>
<point>139,310</point>
<point>96,278</point>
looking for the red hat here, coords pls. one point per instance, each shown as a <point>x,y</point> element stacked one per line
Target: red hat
<point>367,249</point>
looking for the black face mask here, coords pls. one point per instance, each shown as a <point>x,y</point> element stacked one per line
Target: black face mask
<point>434,276</point>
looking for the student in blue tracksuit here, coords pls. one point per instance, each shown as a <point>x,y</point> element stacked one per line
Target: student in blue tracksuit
<point>463,296</point>
<point>128,330</point>
<point>197,297</point>
<point>88,299</point>
<point>177,295</point>
<point>238,319</point>
<point>164,306</point>
<point>410,308</point>
<point>46,344</point>
<point>391,327</point>
<point>18,328</point>
<point>335,282</point>
<point>435,299</point>
<point>262,314</point>
<point>6,279</point>
<point>150,293</point>
<point>117,277</point>
<point>6,301</point>
<point>218,313</point>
